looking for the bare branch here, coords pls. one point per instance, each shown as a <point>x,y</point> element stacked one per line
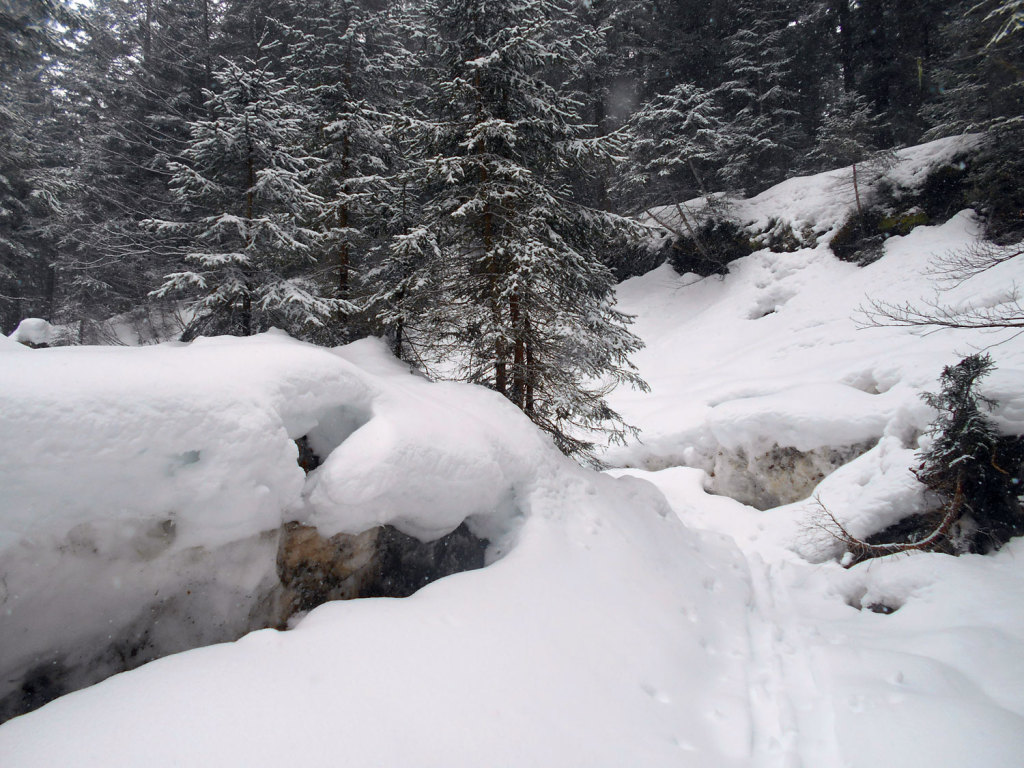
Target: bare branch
<point>933,314</point>
<point>861,550</point>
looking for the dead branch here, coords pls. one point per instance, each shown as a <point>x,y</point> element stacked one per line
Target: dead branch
<point>956,267</point>
<point>862,550</point>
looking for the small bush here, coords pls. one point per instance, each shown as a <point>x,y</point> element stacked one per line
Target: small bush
<point>943,192</point>
<point>975,476</point>
<point>995,190</point>
<point>720,242</point>
<point>860,239</point>
<point>970,464</point>
<point>632,259</point>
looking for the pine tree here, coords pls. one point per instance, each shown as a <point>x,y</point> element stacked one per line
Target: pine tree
<point>846,137</point>
<point>246,184</point>
<point>521,299</point>
<point>765,134</point>
<point>982,91</point>
<point>134,82</point>
<point>34,153</point>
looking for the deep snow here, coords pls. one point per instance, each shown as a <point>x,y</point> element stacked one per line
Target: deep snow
<point>615,625</point>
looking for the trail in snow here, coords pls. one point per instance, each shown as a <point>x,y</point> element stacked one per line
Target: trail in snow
<point>792,720</point>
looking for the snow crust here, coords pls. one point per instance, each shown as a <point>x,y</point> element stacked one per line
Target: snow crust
<point>626,618</point>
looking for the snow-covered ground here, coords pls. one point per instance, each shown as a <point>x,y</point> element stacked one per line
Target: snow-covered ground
<point>615,625</point>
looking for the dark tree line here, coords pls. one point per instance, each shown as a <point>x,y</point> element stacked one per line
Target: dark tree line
<point>452,175</point>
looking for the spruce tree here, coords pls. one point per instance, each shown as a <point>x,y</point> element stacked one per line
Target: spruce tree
<point>676,142</point>
<point>350,57</point>
<point>245,186</point>
<point>982,91</point>
<point>134,81</point>
<point>520,299</point>
<point>974,471</point>
<point>846,137</point>
<point>765,134</point>
<point>36,149</point>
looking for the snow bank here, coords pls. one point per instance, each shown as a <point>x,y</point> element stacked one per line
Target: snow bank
<point>584,645</point>
<point>34,330</point>
<point>911,660</point>
<point>615,625</point>
<point>143,489</point>
<point>776,354</point>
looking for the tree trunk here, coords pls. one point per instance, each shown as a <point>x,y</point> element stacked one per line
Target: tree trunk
<point>494,273</point>
<point>500,364</point>
<point>207,63</point>
<point>856,192</point>
<point>250,213</point>
<point>518,393</point>
<point>344,256</point>
<point>531,373</point>
<point>845,44</point>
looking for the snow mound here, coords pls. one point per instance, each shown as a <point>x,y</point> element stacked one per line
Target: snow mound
<point>144,488</point>
<point>804,417</point>
<point>34,330</point>
<point>582,645</point>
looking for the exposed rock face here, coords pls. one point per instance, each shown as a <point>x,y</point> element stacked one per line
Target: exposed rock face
<point>380,562</point>
<point>779,476</point>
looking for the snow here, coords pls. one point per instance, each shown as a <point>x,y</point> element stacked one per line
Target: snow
<point>625,618</point>
<point>578,635</point>
<point>723,373</point>
<point>822,202</point>
<point>33,330</point>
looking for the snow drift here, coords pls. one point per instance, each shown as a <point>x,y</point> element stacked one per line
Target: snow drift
<point>144,489</point>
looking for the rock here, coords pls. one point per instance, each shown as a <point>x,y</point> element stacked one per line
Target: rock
<point>380,562</point>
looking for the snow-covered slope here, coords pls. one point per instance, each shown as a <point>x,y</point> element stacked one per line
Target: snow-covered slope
<point>765,381</point>
<point>615,625</point>
<point>820,203</point>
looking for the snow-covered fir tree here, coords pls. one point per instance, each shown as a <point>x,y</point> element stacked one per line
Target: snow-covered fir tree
<point>763,134</point>
<point>519,297</point>
<point>982,91</point>
<point>846,136</point>
<point>136,81</point>
<point>245,184</point>
<point>972,469</point>
<point>350,57</point>
<point>676,143</point>
<point>36,155</point>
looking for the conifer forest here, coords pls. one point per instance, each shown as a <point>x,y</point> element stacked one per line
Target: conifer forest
<point>461,177</point>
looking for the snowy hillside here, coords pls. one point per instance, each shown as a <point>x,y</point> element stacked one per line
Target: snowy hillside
<point>692,617</point>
